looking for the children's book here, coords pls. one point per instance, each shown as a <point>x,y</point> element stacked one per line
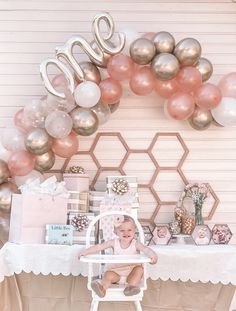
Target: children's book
<point>59,234</point>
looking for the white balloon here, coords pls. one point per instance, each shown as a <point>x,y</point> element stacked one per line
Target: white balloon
<point>130,36</point>
<point>87,94</point>
<point>35,112</point>
<point>58,124</point>
<point>225,112</point>
<point>4,153</point>
<point>13,139</point>
<point>20,180</point>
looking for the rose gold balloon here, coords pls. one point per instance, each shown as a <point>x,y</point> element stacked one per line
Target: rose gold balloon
<point>142,51</point>
<point>66,147</point>
<point>201,119</point>
<point>180,106</point>
<point>120,67</point>
<point>205,68</point>
<point>208,96</point>
<point>4,172</point>
<point>21,121</point>
<point>166,88</point>
<point>142,81</point>
<point>189,79</point>
<point>60,82</point>
<point>149,35</point>
<point>6,191</point>
<point>164,42</point>
<point>227,85</point>
<point>44,162</point>
<point>111,91</point>
<point>21,163</point>
<point>91,72</point>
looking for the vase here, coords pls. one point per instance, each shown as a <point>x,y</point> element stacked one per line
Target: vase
<point>198,214</point>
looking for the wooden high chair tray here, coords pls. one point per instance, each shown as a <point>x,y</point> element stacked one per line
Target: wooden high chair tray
<point>97,258</point>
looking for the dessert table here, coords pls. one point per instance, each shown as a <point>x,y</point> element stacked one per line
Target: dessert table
<point>50,277</point>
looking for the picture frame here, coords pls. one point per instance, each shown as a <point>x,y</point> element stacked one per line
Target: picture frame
<point>161,235</point>
<point>221,234</point>
<point>147,230</point>
<point>201,235</point>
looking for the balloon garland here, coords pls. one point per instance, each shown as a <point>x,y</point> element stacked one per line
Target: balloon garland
<point>79,100</point>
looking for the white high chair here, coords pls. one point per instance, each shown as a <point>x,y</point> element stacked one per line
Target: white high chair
<point>115,292</point>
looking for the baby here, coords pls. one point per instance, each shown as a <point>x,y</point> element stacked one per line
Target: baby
<point>124,244</point>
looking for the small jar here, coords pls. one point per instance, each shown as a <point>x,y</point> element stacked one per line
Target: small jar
<point>179,214</point>
<point>175,227</point>
<point>188,224</point>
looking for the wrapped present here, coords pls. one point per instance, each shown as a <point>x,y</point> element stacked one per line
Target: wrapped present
<point>96,198</point>
<point>80,222</point>
<point>78,201</point>
<point>76,182</point>
<point>38,205</point>
<point>123,190</point>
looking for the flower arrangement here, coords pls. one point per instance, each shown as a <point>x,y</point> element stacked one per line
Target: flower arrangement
<point>198,192</point>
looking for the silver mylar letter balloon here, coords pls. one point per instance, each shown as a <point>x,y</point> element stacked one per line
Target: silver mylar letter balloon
<point>4,171</point>
<point>165,66</point>
<point>205,68</point>
<point>6,191</point>
<point>101,41</point>
<point>200,120</point>
<point>164,42</point>
<point>47,83</point>
<point>188,51</point>
<point>142,51</point>
<point>85,121</point>
<point>37,141</point>
<point>44,161</point>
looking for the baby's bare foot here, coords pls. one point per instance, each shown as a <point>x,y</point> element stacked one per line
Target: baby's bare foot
<point>98,288</point>
<point>131,290</point>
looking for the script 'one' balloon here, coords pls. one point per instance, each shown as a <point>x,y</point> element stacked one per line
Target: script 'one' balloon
<point>66,147</point>
<point>87,94</point>
<point>180,106</point>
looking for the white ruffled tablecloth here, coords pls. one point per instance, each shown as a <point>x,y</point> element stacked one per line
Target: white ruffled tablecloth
<point>214,263</point>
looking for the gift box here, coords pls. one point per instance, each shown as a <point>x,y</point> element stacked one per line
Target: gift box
<point>80,222</point>
<point>76,182</point>
<point>31,212</point>
<point>96,198</point>
<point>78,201</point>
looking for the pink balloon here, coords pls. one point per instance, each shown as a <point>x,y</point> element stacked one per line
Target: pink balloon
<point>208,96</point>
<point>166,88</point>
<point>180,106</point>
<point>189,79</point>
<point>21,121</point>
<point>120,67</point>
<point>142,81</point>
<point>227,85</point>
<point>111,91</point>
<point>21,163</point>
<point>60,82</point>
<point>149,35</point>
<point>66,147</point>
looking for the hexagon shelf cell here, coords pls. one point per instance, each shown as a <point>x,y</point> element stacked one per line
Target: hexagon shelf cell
<point>99,181</point>
<point>169,150</point>
<point>169,184</point>
<point>149,204</point>
<point>86,161</point>
<point>109,149</point>
<point>165,214</point>
<point>146,168</point>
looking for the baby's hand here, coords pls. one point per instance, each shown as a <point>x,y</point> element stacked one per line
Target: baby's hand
<point>153,259</point>
<point>82,253</point>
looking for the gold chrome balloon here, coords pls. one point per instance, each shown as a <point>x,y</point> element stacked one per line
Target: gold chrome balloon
<point>47,83</point>
<point>85,121</point>
<point>37,141</point>
<point>142,51</point>
<point>6,191</point>
<point>106,56</point>
<point>4,172</point>
<point>114,107</point>
<point>201,119</point>
<point>91,72</point>
<point>188,51</point>
<point>103,42</point>
<point>205,67</point>
<point>165,66</point>
<point>164,42</point>
<point>44,161</point>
